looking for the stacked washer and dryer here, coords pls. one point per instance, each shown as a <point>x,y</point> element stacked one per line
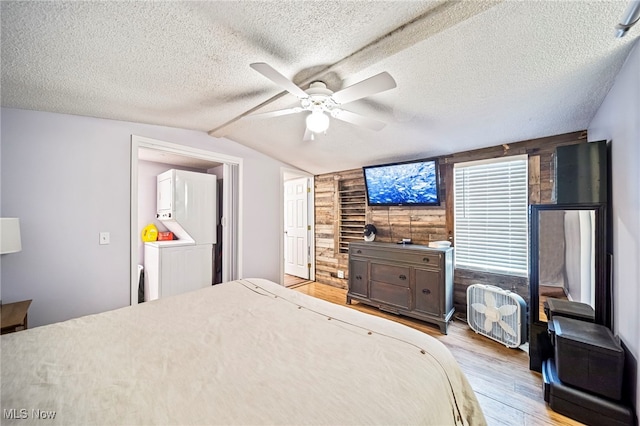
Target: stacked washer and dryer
<point>186,205</point>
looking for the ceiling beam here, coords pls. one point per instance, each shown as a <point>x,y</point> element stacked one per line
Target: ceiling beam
<point>440,17</point>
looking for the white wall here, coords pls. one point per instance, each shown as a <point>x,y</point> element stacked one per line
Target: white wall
<point>67,179</point>
<point>618,120</point>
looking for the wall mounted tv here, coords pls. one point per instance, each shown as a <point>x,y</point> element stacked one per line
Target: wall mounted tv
<point>412,183</point>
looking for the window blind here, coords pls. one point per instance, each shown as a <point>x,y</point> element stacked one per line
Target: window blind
<point>491,218</point>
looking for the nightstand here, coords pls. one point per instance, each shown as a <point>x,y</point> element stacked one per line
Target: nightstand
<point>14,316</point>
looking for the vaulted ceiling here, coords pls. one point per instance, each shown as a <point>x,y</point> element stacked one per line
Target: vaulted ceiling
<point>469,74</point>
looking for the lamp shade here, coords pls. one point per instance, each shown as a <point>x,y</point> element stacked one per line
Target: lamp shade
<point>10,235</point>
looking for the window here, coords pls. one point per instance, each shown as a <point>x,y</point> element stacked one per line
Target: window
<point>490,211</point>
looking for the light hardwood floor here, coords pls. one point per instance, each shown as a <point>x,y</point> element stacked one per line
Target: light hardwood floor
<point>293,281</point>
<point>509,393</point>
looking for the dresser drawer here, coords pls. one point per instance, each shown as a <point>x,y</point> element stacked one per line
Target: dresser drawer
<point>423,259</point>
<point>364,251</point>
<point>391,274</point>
<point>404,254</point>
<point>390,294</point>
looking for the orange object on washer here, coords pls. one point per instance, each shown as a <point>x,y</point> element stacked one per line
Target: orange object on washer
<point>165,236</point>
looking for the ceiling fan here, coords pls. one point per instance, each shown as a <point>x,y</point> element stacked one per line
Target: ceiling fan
<point>322,103</point>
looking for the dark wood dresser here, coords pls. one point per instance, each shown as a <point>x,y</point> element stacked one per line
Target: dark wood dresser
<point>411,280</point>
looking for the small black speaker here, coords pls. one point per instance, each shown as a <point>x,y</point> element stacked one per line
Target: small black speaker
<point>581,173</point>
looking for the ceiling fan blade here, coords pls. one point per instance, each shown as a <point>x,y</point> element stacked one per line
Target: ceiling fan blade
<point>276,113</point>
<point>357,119</point>
<point>279,79</point>
<point>370,86</point>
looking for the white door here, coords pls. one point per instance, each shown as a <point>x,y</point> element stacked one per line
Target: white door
<point>296,257</point>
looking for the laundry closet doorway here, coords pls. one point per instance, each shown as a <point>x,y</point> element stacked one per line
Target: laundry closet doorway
<point>154,156</point>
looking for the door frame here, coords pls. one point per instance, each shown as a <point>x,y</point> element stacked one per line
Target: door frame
<point>285,175</point>
<point>293,230</point>
<point>231,206</point>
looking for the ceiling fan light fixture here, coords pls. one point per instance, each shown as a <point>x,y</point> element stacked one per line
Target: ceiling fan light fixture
<point>321,103</point>
<point>317,121</point>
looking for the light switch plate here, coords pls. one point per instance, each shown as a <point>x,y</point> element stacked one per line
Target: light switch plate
<point>105,238</point>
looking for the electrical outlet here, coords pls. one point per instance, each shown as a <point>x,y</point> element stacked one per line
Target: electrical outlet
<point>340,274</point>
<point>105,238</point>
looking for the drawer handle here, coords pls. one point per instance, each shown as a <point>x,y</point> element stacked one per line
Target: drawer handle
<point>403,277</point>
<point>358,251</point>
<point>358,277</point>
<point>425,259</point>
<point>426,291</point>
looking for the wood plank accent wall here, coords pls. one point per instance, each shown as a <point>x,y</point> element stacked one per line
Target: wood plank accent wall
<point>425,224</point>
<point>353,202</point>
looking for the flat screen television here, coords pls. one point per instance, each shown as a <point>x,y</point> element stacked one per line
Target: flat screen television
<point>411,183</point>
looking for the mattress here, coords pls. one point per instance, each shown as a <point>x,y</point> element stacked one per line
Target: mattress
<point>244,352</point>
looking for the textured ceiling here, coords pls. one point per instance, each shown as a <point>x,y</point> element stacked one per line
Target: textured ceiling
<point>469,74</point>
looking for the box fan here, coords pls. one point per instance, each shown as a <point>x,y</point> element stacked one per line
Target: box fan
<point>496,313</point>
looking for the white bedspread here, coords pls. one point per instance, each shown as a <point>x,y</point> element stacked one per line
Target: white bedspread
<point>244,352</point>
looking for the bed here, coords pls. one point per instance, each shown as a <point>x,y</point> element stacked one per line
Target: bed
<point>244,352</point>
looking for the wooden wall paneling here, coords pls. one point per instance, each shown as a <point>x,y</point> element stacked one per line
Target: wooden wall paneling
<point>329,260</point>
<point>425,224</point>
<point>421,224</point>
<point>446,177</point>
<point>547,175</point>
<point>351,211</point>
<point>335,215</point>
<point>532,146</point>
<point>324,227</point>
<point>534,179</point>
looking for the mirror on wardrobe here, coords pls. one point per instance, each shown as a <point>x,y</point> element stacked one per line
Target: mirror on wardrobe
<point>567,257</point>
<point>566,261</point>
